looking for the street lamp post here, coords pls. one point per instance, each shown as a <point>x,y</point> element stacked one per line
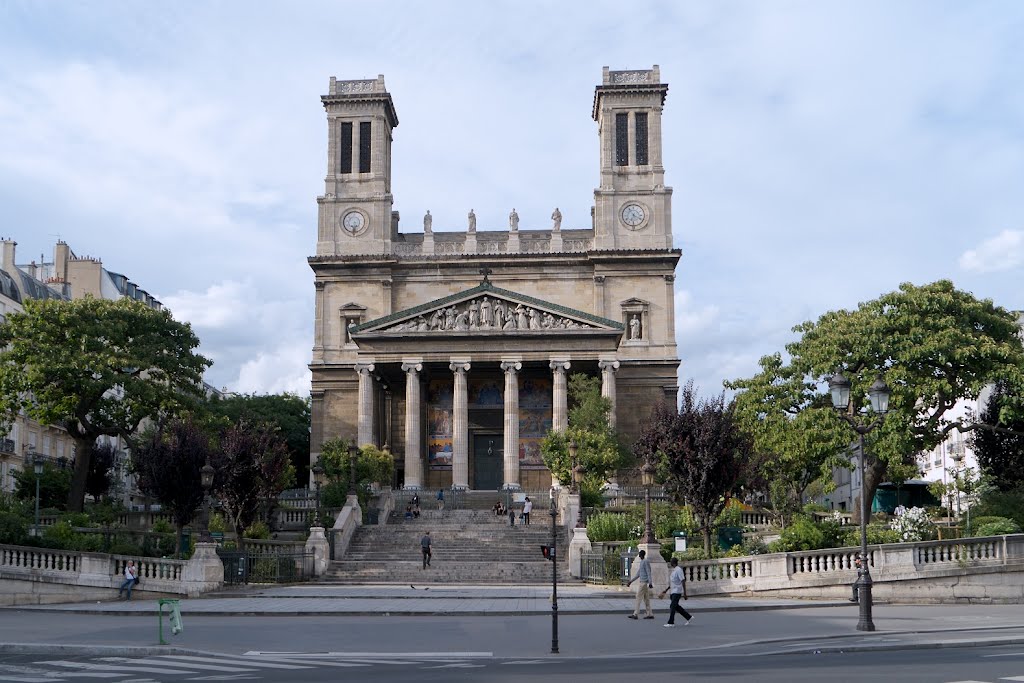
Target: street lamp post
<point>554,579</point>
<point>37,466</point>
<point>206,481</point>
<point>318,473</point>
<point>878,394</point>
<point>647,477</point>
<point>352,452</point>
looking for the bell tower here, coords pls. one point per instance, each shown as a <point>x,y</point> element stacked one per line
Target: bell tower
<point>632,206</point>
<point>355,211</point>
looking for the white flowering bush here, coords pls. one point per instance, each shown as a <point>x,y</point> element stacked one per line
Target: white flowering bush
<point>912,524</point>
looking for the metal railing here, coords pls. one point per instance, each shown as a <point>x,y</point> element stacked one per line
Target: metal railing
<point>252,566</point>
<point>606,568</point>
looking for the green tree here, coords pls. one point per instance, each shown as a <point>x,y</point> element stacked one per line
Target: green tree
<point>598,448</point>
<point>251,468</point>
<point>702,454</point>
<point>933,345</point>
<point>372,465</point>
<point>288,412</point>
<point>101,463</point>
<point>1000,449</point>
<point>96,367</point>
<point>54,483</point>
<point>796,442</point>
<point>167,466</point>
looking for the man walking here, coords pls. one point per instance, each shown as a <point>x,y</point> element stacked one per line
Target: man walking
<point>527,508</point>
<point>856,582</point>
<point>425,546</point>
<point>643,591</point>
<point>677,589</point>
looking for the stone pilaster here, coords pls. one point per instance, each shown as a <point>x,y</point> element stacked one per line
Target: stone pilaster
<point>413,429</point>
<point>460,426</point>
<point>511,436</point>
<point>559,397</point>
<point>365,428</point>
<point>608,368</point>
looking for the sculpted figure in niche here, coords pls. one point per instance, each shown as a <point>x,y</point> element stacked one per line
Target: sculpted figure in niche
<point>534,319</point>
<point>547,321</point>
<point>634,328</point>
<point>513,221</point>
<point>485,313</point>
<point>500,313</point>
<point>472,221</point>
<point>556,219</point>
<point>428,222</point>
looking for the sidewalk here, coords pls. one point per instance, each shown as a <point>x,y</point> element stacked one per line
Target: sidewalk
<point>500,621</point>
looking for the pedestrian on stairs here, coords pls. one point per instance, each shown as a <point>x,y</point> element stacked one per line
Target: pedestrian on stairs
<point>527,508</point>
<point>440,499</point>
<point>425,546</point>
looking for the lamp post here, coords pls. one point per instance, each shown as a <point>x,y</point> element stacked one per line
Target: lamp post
<point>352,452</point>
<point>206,481</point>
<point>878,395</point>
<point>554,579</point>
<point>318,473</point>
<point>37,466</point>
<point>647,477</point>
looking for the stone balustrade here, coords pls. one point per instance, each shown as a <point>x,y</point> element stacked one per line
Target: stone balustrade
<point>492,243</point>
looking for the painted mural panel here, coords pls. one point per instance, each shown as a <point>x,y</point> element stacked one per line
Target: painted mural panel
<point>534,420</point>
<point>440,393</point>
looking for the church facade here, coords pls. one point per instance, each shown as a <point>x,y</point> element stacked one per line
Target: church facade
<point>453,349</point>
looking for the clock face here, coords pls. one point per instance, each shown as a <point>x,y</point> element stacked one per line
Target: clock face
<point>634,216</point>
<point>353,221</point>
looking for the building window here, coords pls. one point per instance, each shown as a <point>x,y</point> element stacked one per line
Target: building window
<point>641,139</point>
<point>346,147</point>
<point>364,146</point>
<point>622,139</point>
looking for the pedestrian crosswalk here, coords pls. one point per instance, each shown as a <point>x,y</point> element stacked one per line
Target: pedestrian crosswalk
<point>247,666</point>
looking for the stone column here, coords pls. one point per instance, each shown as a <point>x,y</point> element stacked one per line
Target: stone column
<point>559,398</point>
<point>365,433</point>
<point>460,426</point>
<point>413,455</point>
<point>608,368</point>
<point>511,433</point>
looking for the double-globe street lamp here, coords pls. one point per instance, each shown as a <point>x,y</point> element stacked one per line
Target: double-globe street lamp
<point>878,395</point>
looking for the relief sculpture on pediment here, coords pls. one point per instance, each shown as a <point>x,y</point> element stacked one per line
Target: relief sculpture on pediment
<point>486,313</point>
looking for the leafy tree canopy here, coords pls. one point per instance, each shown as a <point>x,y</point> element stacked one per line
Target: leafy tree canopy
<point>702,454</point>
<point>1000,453</point>
<point>96,367</point>
<point>288,412</point>
<point>101,465</point>
<point>933,345</point>
<point>598,448</point>
<point>167,466</point>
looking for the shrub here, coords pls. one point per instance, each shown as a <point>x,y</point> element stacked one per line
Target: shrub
<point>13,528</point>
<point>802,534</point>
<point>162,526</point>
<point>999,528</point>
<point>258,530</point>
<point>217,522</point>
<point>877,534</point>
<point>754,545</point>
<point>692,554</point>
<point>912,524</point>
<point>1009,504</point>
<point>610,526</point>
<point>731,515</point>
<point>120,547</point>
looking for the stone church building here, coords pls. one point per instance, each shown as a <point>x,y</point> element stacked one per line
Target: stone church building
<point>453,348</point>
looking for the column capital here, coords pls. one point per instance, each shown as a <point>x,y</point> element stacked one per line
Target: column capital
<point>670,278</point>
<point>459,366</point>
<point>412,367</point>
<point>511,365</point>
<point>559,365</point>
<point>319,285</point>
<point>599,279</point>
<point>363,368</point>
<point>609,365</point>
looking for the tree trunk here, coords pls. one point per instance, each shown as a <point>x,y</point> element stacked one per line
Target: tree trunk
<point>706,532</point>
<point>874,473</point>
<point>83,452</point>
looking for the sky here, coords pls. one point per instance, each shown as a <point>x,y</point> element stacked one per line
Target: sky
<point>821,153</point>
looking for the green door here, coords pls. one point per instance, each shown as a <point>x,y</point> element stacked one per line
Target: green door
<point>487,462</point>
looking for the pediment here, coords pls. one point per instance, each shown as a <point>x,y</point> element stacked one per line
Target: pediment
<point>486,309</point>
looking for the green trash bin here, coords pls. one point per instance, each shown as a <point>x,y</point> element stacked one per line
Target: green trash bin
<point>729,536</point>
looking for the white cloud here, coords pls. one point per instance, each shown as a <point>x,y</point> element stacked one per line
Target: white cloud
<point>1002,252</point>
<point>220,306</point>
<point>277,370</point>
<point>691,320</point>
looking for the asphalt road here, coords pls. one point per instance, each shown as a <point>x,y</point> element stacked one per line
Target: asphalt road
<point>959,665</point>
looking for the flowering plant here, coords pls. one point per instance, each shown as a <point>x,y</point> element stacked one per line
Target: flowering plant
<point>912,524</point>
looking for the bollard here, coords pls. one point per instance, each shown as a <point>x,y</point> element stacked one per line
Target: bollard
<point>174,616</point>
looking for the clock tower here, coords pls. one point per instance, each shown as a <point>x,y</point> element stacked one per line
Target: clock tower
<point>632,207</point>
<point>355,214</point>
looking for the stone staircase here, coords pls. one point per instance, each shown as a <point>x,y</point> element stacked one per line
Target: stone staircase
<point>469,546</point>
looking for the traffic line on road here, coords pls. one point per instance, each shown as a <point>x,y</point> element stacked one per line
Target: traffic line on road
<point>117,667</point>
<point>254,663</point>
<point>196,664</point>
<point>375,655</point>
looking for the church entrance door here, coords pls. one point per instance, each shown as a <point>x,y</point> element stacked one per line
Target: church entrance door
<point>487,462</point>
